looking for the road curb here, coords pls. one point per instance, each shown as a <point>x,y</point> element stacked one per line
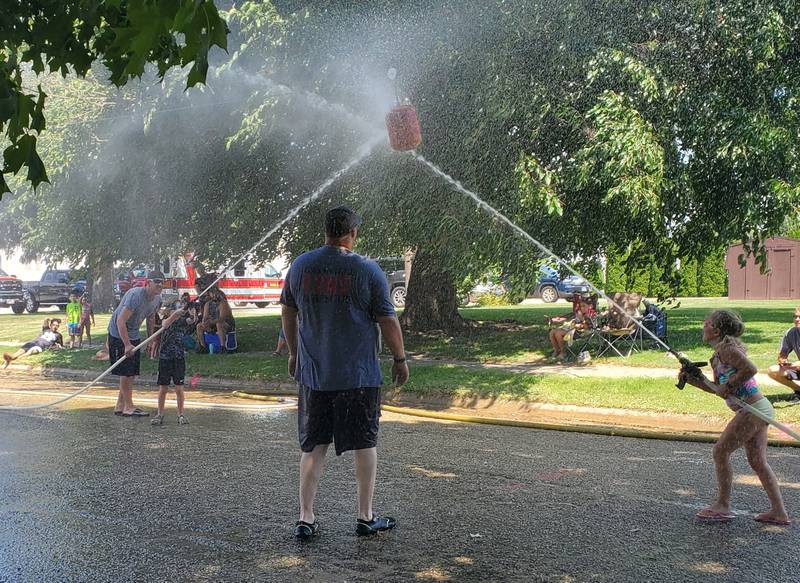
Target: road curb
<point>607,430</point>
<point>207,383</point>
<point>275,391</point>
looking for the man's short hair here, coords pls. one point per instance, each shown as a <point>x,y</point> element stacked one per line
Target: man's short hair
<point>340,220</point>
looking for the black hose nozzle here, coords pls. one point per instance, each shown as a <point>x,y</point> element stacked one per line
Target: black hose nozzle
<point>692,369</point>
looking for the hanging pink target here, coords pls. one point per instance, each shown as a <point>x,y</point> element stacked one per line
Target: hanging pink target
<point>403,127</point>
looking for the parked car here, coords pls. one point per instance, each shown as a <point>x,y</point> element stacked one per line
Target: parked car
<point>52,289</point>
<point>395,270</point>
<point>11,293</point>
<point>551,286</point>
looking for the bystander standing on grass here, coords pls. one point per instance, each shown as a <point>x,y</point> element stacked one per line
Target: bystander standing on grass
<point>73,319</point>
<point>87,320</point>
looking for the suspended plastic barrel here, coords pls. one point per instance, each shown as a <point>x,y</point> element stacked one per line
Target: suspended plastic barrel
<point>403,127</point>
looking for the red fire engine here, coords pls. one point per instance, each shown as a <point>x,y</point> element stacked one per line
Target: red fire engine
<point>245,283</point>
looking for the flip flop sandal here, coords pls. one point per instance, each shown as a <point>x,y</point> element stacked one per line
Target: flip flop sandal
<point>775,521</point>
<point>714,516</point>
<point>140,413</point>
<point>118,413</point>
<point>306,530</point>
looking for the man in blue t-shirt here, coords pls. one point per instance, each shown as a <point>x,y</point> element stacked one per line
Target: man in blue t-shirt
<point>785,372</point>
<point>334,301</point>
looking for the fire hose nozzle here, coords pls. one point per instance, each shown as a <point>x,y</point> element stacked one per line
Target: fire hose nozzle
<point>691,368</point>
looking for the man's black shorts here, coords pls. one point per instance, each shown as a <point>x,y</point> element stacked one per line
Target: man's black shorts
<point>348,418</point>
<point>171,369</point>
<point>116,350</point>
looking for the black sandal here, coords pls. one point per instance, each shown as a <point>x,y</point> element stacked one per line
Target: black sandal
<point>374,526</point>
<point>306,530</point>
<point>137,413</point>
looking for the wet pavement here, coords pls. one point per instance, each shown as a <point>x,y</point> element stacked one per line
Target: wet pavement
<point>86,496</point>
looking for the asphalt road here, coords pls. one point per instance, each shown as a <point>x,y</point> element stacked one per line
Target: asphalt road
<point>86,496</point>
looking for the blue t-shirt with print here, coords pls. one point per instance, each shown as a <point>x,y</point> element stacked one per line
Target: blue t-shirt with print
<point>339,296</point>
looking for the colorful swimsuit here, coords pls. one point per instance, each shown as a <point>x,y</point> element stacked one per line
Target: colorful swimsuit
<point>723,372</point>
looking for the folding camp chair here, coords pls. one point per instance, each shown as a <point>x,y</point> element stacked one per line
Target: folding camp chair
<point>655,320</point>
<point>621,333</point>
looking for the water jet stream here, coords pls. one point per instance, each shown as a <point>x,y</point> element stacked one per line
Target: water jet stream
<point>524,234</point>
<point>363,152</point>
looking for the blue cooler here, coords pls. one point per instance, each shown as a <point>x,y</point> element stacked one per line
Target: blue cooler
<point>212,342</point>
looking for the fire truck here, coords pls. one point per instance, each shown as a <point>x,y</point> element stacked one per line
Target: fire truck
<point>245,283</point>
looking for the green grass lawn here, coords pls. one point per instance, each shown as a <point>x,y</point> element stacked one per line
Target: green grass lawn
<point>511,334</point>
<point>256,334</point>
<point>515,334</point>
<point>524,338</point>
<point>656,395</point>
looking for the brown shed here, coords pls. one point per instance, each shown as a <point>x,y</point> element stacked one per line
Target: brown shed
<point>781,283</point>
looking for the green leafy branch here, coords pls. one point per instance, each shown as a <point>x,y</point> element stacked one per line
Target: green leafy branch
<point>69,36</point>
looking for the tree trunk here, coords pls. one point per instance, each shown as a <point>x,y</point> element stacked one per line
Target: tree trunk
<point>103,286</point>
<point>431,301</point>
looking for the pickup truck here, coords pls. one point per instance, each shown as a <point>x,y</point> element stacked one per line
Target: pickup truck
<point>395,270</point>
<point>11,293</point>
<point>52,289</point>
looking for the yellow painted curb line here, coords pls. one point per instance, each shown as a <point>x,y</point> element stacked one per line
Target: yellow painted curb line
<point>590,429</point>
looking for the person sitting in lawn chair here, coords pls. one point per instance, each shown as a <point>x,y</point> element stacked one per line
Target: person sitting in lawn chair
<point>583,318</point>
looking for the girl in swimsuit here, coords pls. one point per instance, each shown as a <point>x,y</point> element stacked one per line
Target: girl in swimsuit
<point>734,375</point>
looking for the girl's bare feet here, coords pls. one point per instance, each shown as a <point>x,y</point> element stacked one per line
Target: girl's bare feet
<point>7,358</point>
<point>773,517</point>
<point>716,512</point>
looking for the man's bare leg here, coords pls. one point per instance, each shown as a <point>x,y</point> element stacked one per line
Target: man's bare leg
<point>125,398</point>
<point>222,331</point>
<point>10,357</point>
<point>366,469</point>
<point>312,464</point>
<point>776,373</point>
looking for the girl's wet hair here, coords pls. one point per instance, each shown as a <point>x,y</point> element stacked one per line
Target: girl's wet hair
<point>728,323</point>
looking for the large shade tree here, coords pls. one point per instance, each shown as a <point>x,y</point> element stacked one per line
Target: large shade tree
<point>69,36</point>
<point>629,127</point>
<point>625,127</point>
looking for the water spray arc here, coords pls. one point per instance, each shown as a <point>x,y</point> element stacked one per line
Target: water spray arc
<point>685,362</point>
<point>363,152</point>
